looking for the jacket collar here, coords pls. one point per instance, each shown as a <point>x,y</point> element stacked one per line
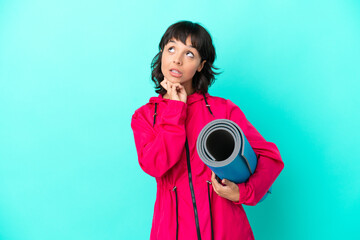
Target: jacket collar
<point>190,99</point>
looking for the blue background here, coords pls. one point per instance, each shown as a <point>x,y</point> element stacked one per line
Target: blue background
<point>73,72</point>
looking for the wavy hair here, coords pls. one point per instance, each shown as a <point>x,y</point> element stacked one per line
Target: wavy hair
<point>201,40</point>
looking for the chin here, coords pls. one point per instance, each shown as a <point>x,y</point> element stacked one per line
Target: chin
<point>174,80</point>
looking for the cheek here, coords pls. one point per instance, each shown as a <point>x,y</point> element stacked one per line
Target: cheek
<point>164,63</point>
<point>192,69</point>
<point>162,68</point>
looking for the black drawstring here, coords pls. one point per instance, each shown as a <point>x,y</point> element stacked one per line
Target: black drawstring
<point>177,214</point>
<point>155,115</point>
<point>207,105</point>
<point>211,222</point>
<point>192,190</point>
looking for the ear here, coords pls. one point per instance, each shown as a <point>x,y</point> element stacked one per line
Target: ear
<point>201,66</point>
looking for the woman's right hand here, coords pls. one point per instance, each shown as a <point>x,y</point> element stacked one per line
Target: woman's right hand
<point>175,91</point>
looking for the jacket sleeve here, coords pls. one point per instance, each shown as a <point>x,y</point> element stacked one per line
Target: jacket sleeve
<point>159,150</point>
<point>269,163</point>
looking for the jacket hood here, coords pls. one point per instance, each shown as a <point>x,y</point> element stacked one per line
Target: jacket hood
<point>190,99</point>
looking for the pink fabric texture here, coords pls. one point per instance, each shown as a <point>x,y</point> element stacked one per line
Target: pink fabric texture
<point>161,154</point>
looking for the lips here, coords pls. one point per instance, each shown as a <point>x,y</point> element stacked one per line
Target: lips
<point>175,73</point>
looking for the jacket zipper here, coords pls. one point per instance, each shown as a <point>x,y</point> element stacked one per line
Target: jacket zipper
<point>192,190</point>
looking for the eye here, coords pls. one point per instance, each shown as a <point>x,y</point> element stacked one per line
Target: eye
<point>191,54</point>
<point>171,49</point>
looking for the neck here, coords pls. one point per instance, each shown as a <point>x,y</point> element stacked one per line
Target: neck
<point>188,88</point>
<point>190,91</point>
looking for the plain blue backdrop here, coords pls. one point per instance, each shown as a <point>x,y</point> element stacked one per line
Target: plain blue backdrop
<point>73,72</point>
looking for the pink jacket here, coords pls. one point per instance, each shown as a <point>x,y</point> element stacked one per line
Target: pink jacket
<point>186,205</point>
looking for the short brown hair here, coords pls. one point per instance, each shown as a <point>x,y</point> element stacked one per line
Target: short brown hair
<point>202,41</point>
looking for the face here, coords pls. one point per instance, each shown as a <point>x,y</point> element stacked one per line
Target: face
<point>179,62</point>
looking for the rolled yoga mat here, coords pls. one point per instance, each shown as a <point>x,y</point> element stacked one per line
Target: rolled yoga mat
<point>223,147</point>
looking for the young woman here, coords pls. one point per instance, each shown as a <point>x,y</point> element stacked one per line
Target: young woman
<point>190,202</point>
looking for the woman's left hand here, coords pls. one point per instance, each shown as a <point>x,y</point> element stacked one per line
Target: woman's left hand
<point>229,190</point>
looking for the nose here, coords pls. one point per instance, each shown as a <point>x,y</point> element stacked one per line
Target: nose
<point>177,59</point>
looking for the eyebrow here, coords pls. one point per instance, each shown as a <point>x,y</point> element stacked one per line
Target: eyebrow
<point>191,46</point>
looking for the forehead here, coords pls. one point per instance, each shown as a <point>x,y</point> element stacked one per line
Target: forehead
<point>178,42</point>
